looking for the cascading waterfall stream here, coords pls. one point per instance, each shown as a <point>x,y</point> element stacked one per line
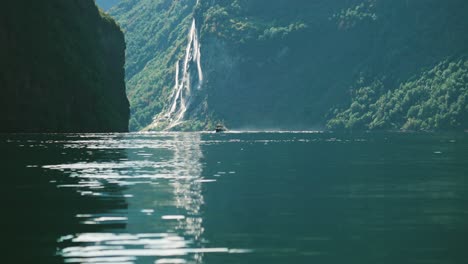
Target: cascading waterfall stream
<point>182,94</point>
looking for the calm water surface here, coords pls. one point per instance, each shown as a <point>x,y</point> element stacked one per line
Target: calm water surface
<point>235,198</point>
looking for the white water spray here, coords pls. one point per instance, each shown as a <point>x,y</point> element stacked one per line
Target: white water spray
<point>182,94</point>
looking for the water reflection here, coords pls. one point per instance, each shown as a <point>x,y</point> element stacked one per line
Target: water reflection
<point>191,198</point>
<point>187,186</point>
<point>161,179</point>
<point>37,212</point>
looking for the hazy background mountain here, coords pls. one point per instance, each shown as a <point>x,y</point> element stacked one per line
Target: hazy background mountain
<point>106,4</point>
<point>298,64</point>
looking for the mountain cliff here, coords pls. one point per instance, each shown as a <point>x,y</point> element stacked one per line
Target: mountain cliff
<point>61,68</point>
<point>301,64</point>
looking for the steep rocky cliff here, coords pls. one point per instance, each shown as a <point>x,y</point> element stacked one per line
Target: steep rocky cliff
<point>301,64</point>
<point>61,68</point>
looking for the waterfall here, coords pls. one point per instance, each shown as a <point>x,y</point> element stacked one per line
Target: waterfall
<point>181,96</point>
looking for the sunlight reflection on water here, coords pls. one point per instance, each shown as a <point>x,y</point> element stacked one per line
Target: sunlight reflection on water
<point>161,179</point>
<point>281,197</point>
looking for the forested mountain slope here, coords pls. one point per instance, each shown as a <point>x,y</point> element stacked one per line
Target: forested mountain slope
<point>61,68</point>
<point>297,64</point>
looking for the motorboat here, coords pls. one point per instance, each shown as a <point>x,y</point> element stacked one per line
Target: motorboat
<point>220,129</point>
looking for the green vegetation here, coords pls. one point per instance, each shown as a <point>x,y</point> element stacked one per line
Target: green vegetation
<point>437,99</point>
<point>61,68</point>
<point>300,64</point>
<point>351,16</point>
<point>156,32</point>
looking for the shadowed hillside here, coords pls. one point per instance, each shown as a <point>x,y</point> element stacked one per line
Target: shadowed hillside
<point>61,68</point>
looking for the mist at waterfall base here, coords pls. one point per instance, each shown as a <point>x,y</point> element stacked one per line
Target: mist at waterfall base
<point>258,197</point>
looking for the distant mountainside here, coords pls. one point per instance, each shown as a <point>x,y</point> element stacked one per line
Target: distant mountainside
<point>61,68</point>
<point>296,64</point>
<point>106,4</point>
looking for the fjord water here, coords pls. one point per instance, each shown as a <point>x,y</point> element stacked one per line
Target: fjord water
<point>235,198</point>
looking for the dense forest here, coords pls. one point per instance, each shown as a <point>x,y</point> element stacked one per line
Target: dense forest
<point>61,68</point>
<point>300,64</point>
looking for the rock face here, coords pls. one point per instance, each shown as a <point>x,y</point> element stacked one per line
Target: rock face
<point>357,64</point>
<point>61,68</point>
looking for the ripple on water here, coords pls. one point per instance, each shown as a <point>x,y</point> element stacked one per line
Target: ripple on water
<point>140,198</point>
<point>109,247</point>
<point>158,178</point>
